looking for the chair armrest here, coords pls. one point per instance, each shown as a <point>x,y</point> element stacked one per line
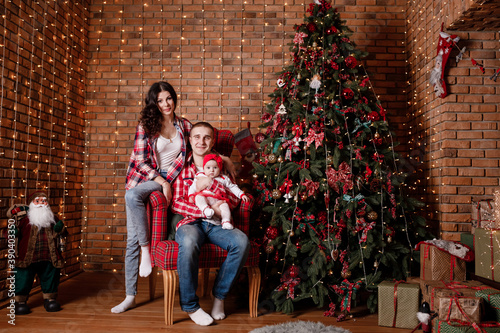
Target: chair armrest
<point>241,215</point>
<point>157,217</point>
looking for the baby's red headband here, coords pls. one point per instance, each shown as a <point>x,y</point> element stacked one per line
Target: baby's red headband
<point>214,157</point>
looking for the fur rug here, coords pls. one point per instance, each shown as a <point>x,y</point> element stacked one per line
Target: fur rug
<point>300,327</point>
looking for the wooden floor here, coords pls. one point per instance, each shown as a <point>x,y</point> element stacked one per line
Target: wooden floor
<point>87,298</point>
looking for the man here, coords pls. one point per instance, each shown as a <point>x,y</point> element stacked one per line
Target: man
<point>38,252</point>
<point>195,229</point>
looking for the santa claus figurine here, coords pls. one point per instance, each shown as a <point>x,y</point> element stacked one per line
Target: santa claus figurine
<point>38,252</point>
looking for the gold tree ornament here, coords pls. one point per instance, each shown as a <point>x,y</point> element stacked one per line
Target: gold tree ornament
<point>372,216</point>
<point>276,194</point>
<point>346,274</point>
<point>271,158</point>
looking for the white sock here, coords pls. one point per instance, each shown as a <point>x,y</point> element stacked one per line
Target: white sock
<point>201,318</point>
<point>209,212</point>
<point>128,303</point>
<point>227,225</point>
<point>145,267</point>
<point>218,309</point>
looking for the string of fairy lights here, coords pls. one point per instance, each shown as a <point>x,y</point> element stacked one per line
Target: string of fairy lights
<point>221,62</point>
<point>41,92</point>
<point>30,101</point>
<point>2,77</point>
<point>14,196</point>
<point>121,43</point>
<point>181,28</point>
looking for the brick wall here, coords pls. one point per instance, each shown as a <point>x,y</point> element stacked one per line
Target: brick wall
<point>43,49</point>
<point>221,57</point>
<point>457,136</point>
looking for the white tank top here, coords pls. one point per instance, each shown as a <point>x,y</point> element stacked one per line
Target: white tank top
<point>167,150</point>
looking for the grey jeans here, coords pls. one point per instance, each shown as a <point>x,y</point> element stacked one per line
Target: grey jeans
<point>137,230</point>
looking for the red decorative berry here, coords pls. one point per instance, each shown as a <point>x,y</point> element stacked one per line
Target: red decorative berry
<point>272,232</point>
<point>259,137</point>
<point>373,116</point>
<point>293,271</point>
<point>311,27</point>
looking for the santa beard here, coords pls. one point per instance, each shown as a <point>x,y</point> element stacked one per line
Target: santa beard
<point>41,215</point>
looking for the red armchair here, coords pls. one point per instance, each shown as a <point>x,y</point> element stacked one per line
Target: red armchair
<point>164,252</point>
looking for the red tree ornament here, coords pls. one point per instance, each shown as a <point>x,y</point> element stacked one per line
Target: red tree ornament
<point>350,62</point>
<point>347,93</point>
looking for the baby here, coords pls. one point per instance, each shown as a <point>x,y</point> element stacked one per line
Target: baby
<point>205,199</point>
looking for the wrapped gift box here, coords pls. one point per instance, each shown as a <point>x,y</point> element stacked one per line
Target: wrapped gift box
<point>491,299</point>
<point>483,214</point>
<point>442,326</point>
<point>433,290</point>
<point>436,264</point>
<point>462,308</point>
<point>487,252</point>
<point>398,304</point>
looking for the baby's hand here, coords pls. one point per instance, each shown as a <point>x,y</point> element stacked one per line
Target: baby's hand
<point>245,198</point>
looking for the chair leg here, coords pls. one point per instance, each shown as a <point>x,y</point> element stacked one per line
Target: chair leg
<point>205,274</point>
<point>152,283</point>
<point>254,287</point>
<point>169,286</point>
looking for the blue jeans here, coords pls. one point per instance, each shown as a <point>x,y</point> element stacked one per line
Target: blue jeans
<point>190,238</point>
<point>136,199</point>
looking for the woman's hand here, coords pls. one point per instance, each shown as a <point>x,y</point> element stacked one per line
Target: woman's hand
<point>229,165</point>
<point>167,191</point>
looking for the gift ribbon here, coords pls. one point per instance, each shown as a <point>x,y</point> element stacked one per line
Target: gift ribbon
<point>426,256</point>
<point>453,264</point>
<point>396,301</point>
<point>467,321</point>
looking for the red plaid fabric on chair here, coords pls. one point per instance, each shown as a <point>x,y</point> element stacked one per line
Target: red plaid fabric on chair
<point>164,252</point>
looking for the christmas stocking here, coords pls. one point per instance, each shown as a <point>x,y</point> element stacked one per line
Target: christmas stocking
<point>244,142</point>
<point>445,44</point>
<point>248,150</point>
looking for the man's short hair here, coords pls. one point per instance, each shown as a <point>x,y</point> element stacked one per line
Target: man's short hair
<point>204,124</point>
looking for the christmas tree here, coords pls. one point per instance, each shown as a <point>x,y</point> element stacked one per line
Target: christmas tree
<point>334,217</point>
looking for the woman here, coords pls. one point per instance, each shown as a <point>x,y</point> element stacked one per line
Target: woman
<point>158,157</point>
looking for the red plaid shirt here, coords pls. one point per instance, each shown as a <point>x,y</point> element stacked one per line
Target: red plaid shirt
<point>143,165</point>
<point>180,202</point>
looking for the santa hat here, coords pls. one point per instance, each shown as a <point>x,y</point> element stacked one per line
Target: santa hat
<point>244,141</point>
<point>214,157</point>
<point>36,194</point>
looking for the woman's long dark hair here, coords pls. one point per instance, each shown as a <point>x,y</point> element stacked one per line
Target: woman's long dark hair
<point>151,118</point>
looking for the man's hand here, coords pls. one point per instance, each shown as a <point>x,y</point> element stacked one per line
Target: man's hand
<point>202,183</point>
